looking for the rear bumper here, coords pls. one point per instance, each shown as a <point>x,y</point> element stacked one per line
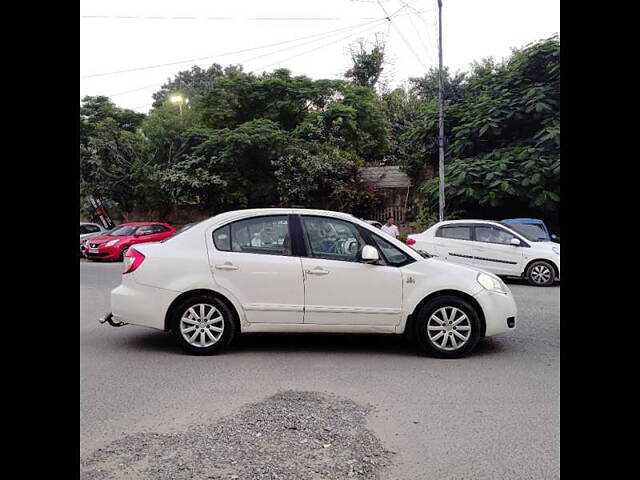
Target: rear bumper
<point>499,310</point>
<point>140,304</point>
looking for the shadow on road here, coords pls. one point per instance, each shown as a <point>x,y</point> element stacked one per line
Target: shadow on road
<point>300,343</point>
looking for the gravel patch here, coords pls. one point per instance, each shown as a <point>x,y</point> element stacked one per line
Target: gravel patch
<point>291,435</point>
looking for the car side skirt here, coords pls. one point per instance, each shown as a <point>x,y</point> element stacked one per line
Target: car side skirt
<point>315,328</point>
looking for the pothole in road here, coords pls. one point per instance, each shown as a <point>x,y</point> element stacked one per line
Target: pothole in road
<point>291,435</point>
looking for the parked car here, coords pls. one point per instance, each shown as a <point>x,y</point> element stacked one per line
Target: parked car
<point>295,270</point>
<point>114,244</point>
<point>491,246</point>
<point>532,228</point>
<point>89,230</point>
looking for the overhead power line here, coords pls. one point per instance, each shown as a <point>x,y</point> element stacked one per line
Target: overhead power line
<point>409,46</point>
<point>148,67</point>
<point>320,38</point>
<point>145,17</point>
<point>322,46</point>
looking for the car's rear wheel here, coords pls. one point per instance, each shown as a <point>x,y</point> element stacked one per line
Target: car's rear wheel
<point>541,274</point>
<point>447,327</point>
<point>203,325</point>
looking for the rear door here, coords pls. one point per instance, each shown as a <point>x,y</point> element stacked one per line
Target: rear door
<point>253,260</point>
<point>454,243</point>
<point>492,250</point>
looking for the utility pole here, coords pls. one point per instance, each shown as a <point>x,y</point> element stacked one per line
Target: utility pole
<point>441,117</point>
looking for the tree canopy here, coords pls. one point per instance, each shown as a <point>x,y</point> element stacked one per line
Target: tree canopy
<point>251,140</point>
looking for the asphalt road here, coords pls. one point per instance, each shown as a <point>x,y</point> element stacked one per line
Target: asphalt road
<point>493,415</point>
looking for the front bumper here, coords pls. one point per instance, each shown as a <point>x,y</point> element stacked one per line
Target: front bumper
<point>500,311</point>
<point>103,253</point>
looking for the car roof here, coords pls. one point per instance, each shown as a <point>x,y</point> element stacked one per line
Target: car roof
<point>454,222</point>
<point>280,211</point>
<point>523,220</point>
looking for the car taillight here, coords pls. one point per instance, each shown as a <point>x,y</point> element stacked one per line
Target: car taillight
<point>410,241</point>
<point>132,260</point>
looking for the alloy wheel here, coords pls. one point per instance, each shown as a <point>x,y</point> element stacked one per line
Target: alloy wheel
<point>202,325</point>
<point>449,328</point>
<point>540,274</point>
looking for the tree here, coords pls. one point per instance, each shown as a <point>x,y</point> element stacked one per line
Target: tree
<point>367,64</point>
<point>114,165</point>
<point>192,83</point>
<point>505,142</point>
<point>427,87</point>
<point>95,109</point>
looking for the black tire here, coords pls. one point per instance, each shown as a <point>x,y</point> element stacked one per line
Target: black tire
<point>433,346</point>
<point>229,325</point>
<point>540,274</point>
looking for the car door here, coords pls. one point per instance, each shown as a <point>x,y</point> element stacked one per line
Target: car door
<point>339,289</point>
<point>253,260</point>
<point>453,242</point>
<point>492,250</point>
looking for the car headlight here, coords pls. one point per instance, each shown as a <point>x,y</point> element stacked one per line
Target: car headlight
<point>556,249</point>
<point>491,283</point>
<point>111,243</point>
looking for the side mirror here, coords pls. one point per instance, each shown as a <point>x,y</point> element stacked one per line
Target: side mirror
<point>515,242</point>
<point>554,236</point>
<point>138,234</point>
<point>369,254</point>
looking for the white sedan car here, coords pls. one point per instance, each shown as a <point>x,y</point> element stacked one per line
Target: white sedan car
<point>491,246</point>
<point>299,270</point>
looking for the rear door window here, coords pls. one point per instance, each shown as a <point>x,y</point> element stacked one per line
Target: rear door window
<point>489,234</point>
<point>455,232</point>
<point>263,235</point>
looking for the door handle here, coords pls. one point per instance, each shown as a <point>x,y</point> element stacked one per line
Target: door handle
<point>317,271</point>
<point>227,266</point>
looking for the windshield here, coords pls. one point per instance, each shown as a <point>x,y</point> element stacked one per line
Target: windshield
<point>123,231</point>
<point>535,233</point>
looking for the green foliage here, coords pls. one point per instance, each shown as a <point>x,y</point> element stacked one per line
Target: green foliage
<point>367,65</point>
<point>427,87</point>
<point>505,135</point>
<point>519,173</point>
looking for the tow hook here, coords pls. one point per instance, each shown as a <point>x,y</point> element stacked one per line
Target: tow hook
<point>109,318</point>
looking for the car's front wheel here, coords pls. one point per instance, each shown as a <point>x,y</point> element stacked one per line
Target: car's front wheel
<point>541,274</point>
<point>203,325</point>
<point>447,327</point>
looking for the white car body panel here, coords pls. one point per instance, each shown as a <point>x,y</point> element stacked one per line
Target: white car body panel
<point>272,293</point>
<point>499,259</point>
<point>351,293</point>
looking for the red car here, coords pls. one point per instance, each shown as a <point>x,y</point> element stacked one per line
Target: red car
<point>114,244</point>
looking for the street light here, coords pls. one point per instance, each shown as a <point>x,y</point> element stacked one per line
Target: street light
<point>179,99</point>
